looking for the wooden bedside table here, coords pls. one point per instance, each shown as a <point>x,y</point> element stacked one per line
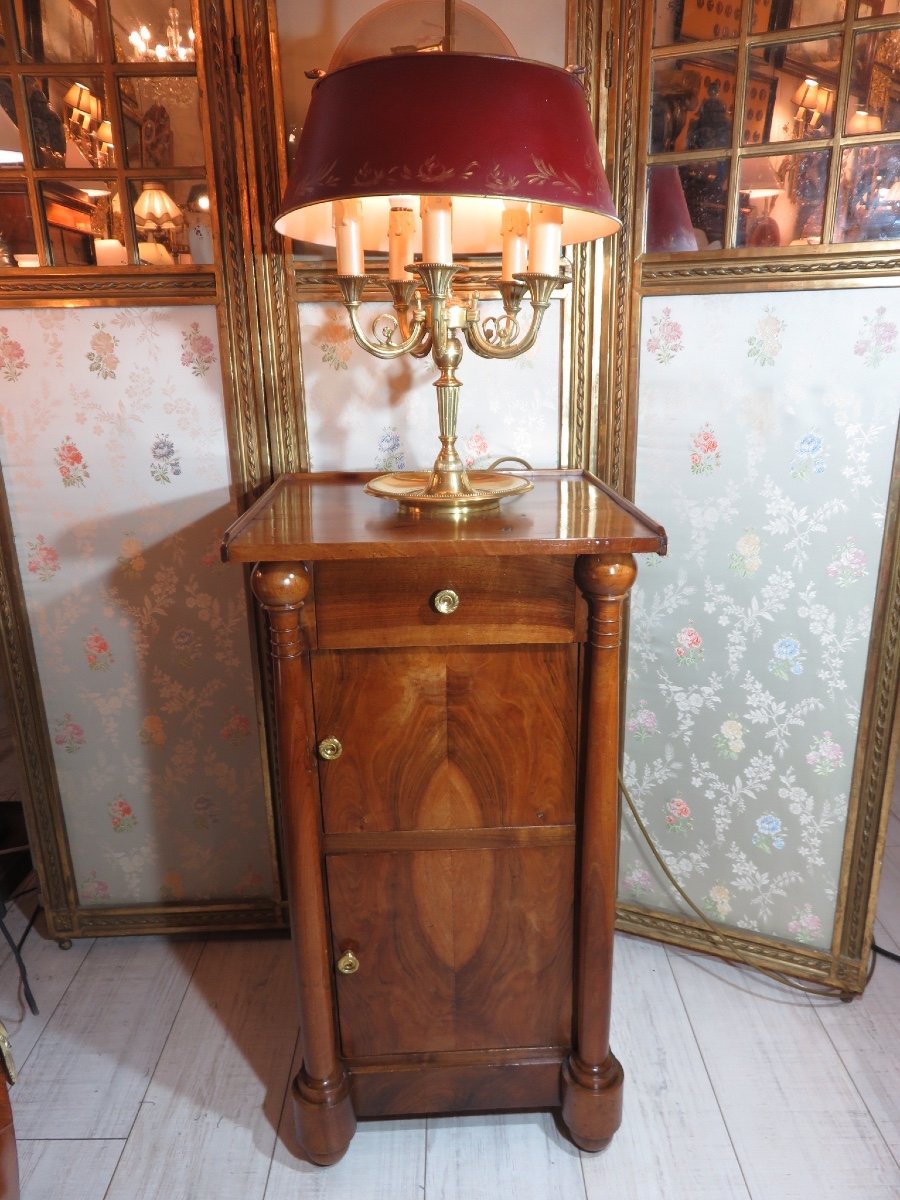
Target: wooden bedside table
<point>447,700</point>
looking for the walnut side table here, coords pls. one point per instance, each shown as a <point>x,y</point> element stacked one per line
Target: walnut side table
<point>447,707</point>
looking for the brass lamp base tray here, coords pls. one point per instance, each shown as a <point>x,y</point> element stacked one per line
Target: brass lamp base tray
<point>411,490</point>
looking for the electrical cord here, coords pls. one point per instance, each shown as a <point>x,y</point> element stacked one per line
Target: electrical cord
<point>16,950</point>
<point>721,939</point>
<point>876,949</point>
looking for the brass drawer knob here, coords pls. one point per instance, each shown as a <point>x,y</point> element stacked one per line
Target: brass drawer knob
<point>445,601</point>
<point>330,748</point>
<point>348,963</point>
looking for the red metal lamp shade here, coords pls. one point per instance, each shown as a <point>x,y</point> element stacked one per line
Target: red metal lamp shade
<point>482,129</point>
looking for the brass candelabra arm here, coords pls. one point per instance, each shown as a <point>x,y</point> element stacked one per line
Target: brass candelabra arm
<point>499,337</point>
<point>411,329</point>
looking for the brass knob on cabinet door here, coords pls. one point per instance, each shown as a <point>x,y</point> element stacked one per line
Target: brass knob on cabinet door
<point>330,748</point>
<point>348,963</point>
<point>445,601</point>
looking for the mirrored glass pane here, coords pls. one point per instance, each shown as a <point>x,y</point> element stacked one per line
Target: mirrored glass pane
<point>759,104</point>
<point>765,217</point>
<point>77,214</point>
<point>162,122</point>
<point>4,53</point>
<point>157,31</point>
<point>705,186</point>
<point>868,207</point>
<point>670,228</point>
<point>770,15</point>
<point>799,82</point>
<point>693,103</point>
<point>695,21</point>
<point>11,148</point>
<point>59,30</point>
<point>171,217</point>
<point>801,210</point>
<point>873,105</point>
<point>877,8</point>
<point>18,247</point>
<point>68,121</point>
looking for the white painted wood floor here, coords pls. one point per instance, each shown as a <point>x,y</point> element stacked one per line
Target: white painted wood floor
<point>159,1070</point>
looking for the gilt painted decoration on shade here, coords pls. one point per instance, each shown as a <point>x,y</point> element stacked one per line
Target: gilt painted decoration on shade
<point>115,463</point>
<point>766,440</point>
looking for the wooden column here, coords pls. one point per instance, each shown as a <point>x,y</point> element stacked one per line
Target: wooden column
<point>323,1114</point>
<point>592,1077</point>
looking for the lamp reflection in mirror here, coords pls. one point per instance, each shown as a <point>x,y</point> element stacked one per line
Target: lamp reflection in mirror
<point>491,155</point>
<point>669,226</point>
<point>760,183</point>
<point>10,143</point>
<point>156,210</point>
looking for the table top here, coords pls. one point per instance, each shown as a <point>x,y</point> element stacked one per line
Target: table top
<point>330,516</point>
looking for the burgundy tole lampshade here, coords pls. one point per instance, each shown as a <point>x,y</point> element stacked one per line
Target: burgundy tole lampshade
<point>481,129</point>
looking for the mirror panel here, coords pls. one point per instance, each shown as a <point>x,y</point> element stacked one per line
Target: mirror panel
<point>696,21</point>
<point>155,31</point>
<point>59,31</point>
<point>161,115</point>
<point>795,85</point>
<point>772,15</point>
<point>12,151</point>
<point>692,106</point>
<point>868,208</point>
<point>18,245</point>
<point>873,104</point>
<point>761,187</point>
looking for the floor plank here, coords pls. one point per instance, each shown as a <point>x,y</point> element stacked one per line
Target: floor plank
<point>866,1035</point>
<point>889,894</point>
<point>673,1141</point>
<point>521,1155</point>
<point>89,1072</point>
<point>217,1093</point>
<point>386,1161</point>
<point>50,973</point>
<point>799,1127</point>
<point>65,1170</point>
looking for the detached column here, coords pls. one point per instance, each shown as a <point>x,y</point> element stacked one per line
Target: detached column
<point>323,1114</point>
<point>592,1077</point>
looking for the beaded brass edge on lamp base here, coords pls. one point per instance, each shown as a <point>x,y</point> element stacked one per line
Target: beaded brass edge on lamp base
<point>446,187</point>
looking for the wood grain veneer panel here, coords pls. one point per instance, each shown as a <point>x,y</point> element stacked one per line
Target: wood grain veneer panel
<point>447,740</point>
<point>501,600</point>
<point>459,950</point>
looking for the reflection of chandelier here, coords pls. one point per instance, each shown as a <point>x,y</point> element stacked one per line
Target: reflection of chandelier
<point>173,51</point>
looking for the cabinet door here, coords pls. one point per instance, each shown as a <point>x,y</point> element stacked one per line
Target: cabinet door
<point>458,949</point>
<point>447,738</point>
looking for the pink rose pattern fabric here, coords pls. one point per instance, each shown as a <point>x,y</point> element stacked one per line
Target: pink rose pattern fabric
<point>114,455</point>
<point>766,434</point>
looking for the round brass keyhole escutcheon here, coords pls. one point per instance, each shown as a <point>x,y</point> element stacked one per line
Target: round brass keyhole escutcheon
<point>348,963</point>
<point>330,749</point>
<point>445,601</point>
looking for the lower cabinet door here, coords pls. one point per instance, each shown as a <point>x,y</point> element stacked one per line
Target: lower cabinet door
<point>458,949</point>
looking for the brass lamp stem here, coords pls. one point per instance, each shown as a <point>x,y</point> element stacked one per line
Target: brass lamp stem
<point>430,318</point>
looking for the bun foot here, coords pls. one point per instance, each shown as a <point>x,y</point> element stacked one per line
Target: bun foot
<point>324,1120</point>
<point>591,1102</point>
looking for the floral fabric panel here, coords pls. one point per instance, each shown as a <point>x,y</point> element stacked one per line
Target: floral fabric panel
<point>364,413</point>
<point>113,446</point>
<point>766,434</point>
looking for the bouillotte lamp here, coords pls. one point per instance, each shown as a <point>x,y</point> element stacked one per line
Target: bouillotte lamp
<point>512,166</point>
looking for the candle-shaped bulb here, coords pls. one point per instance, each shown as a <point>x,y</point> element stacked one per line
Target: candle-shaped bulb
<point>401,234</point>
<point>346,217</point>
<point>437,229</point>
<point>514,238</point>
<point>545,239</point>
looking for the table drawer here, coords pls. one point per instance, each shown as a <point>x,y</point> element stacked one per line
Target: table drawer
<point>484,601</point>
